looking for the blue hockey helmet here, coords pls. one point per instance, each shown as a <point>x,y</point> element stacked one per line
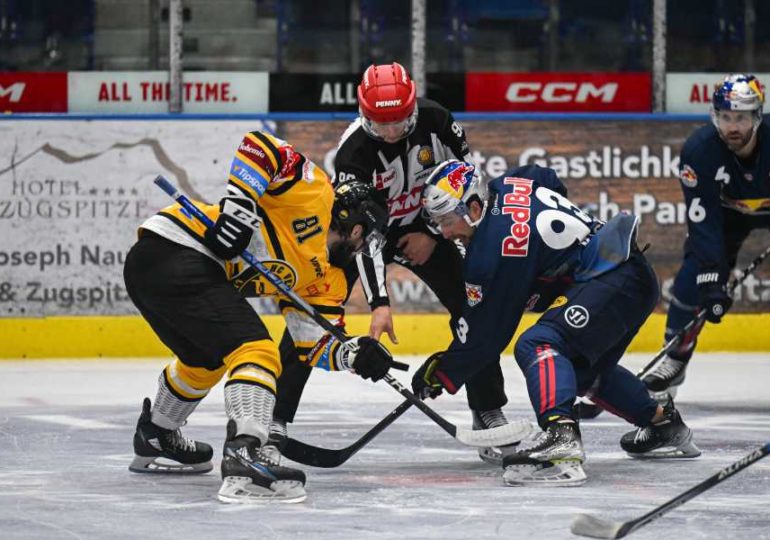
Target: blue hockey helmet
<point>738,92</point>
<point>451,186</point>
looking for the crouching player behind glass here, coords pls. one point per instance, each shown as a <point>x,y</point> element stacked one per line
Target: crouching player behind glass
<point>190,285</point>
<point>724,173</point>
<point>530,248</point>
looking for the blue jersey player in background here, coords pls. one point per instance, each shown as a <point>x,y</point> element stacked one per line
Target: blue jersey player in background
<point>725,177</point>
<point>529,247</point>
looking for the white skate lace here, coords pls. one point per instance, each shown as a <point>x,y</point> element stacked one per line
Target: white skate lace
<point>264,458</point>
<point>256,455</point>
<point>493,418</point>
<point>669,369</point>
<point>642,435</point>
<point>178,441</point>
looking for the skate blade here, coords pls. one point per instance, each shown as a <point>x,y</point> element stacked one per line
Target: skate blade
<point>683,451</point>
<point>491,455</point>
<point>494,454</point>
<point>241,490</point>
<point>568,473</point>
<point>161,465</point>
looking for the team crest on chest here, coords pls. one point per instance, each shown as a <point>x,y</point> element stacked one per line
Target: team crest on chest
<point>473,293</point>
<point>425,156</point>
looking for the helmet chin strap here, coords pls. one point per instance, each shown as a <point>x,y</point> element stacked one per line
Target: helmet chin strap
<point>467,216</point>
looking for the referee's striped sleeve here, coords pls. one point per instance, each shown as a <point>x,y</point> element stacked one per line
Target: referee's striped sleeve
<point>372,272</point>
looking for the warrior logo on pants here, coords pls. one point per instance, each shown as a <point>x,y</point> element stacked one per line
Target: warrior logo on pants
<point>576,316</point>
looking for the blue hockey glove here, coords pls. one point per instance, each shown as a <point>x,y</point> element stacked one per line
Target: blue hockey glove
<point>713,297</point>
<point>425,384</point>
<point>232,231</point>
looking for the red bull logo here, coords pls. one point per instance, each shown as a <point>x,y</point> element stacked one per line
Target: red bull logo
<point>457,176</point>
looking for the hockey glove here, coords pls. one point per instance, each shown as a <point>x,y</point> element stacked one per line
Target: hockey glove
<point>367,357</point>
<point>425,384</point>
<point>232,231</point>
<point>713,297</point>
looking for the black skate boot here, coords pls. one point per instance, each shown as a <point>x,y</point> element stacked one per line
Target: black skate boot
<point>250,476</point>
<point>553,457</point>
<point>664,378</point>
<point>159,450</point>
<point>585,409</point>
<point>670,438</point>
<point>492,419</point>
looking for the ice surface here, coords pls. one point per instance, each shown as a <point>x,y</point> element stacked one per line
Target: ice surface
<point>65,445</point>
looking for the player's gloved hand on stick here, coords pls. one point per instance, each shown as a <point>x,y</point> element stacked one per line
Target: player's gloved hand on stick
<point>713,297</point>
<point>425,382</point>
<point>367,357</point>
<point>232,231</point>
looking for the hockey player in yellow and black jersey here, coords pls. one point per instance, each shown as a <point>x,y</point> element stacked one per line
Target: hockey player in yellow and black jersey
<point>394,145</point>
<point>190,285</point>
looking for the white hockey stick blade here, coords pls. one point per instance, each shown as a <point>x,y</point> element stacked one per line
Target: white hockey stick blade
<point>511,433</point>
<point>593,527</point>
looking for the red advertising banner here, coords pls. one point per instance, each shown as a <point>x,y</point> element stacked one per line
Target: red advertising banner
<point>33,92</point>
<point>558,92</point>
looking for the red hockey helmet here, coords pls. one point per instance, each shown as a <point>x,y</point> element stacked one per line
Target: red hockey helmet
<point>387,102</point>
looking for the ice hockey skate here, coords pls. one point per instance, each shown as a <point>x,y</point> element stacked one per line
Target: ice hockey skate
<point>276,441</point>
<point>487,420</point>
<point>670,438</point>
<point>553,457</point>
<point>250,476</point>
<point>159,450</point>
<point>665,378</point>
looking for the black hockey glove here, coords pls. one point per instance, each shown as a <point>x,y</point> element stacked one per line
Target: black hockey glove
<point>425,384</point>
<point>232,231</point>
<point>368,358</point>
<point>713,297</point>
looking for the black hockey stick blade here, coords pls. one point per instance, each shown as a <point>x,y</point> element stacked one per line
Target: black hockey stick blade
<point>594,527</point>
<point>316,456</point>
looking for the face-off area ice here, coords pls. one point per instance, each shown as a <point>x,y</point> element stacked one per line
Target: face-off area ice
<point>65,452</point>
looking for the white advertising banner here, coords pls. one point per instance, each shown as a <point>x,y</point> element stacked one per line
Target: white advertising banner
<point>691,92</point>
<point>72,194</point>
<point>221,92</point>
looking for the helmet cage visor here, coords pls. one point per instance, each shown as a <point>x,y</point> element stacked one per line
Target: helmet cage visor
<point>383,131</point>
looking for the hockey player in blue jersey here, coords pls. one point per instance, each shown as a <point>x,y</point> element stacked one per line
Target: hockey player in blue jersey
<point>725,178</point>
<point>529,248</point>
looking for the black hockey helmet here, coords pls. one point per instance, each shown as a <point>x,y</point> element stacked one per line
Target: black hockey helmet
<point>355,203</point>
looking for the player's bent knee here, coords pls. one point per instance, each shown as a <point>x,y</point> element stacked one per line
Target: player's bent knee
<point>262,353</point>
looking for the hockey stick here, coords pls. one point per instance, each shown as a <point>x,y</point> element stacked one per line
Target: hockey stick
<point>588,525</point>
<point>700,316</point>
<point>327,458</point>
<point>499,436</point>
